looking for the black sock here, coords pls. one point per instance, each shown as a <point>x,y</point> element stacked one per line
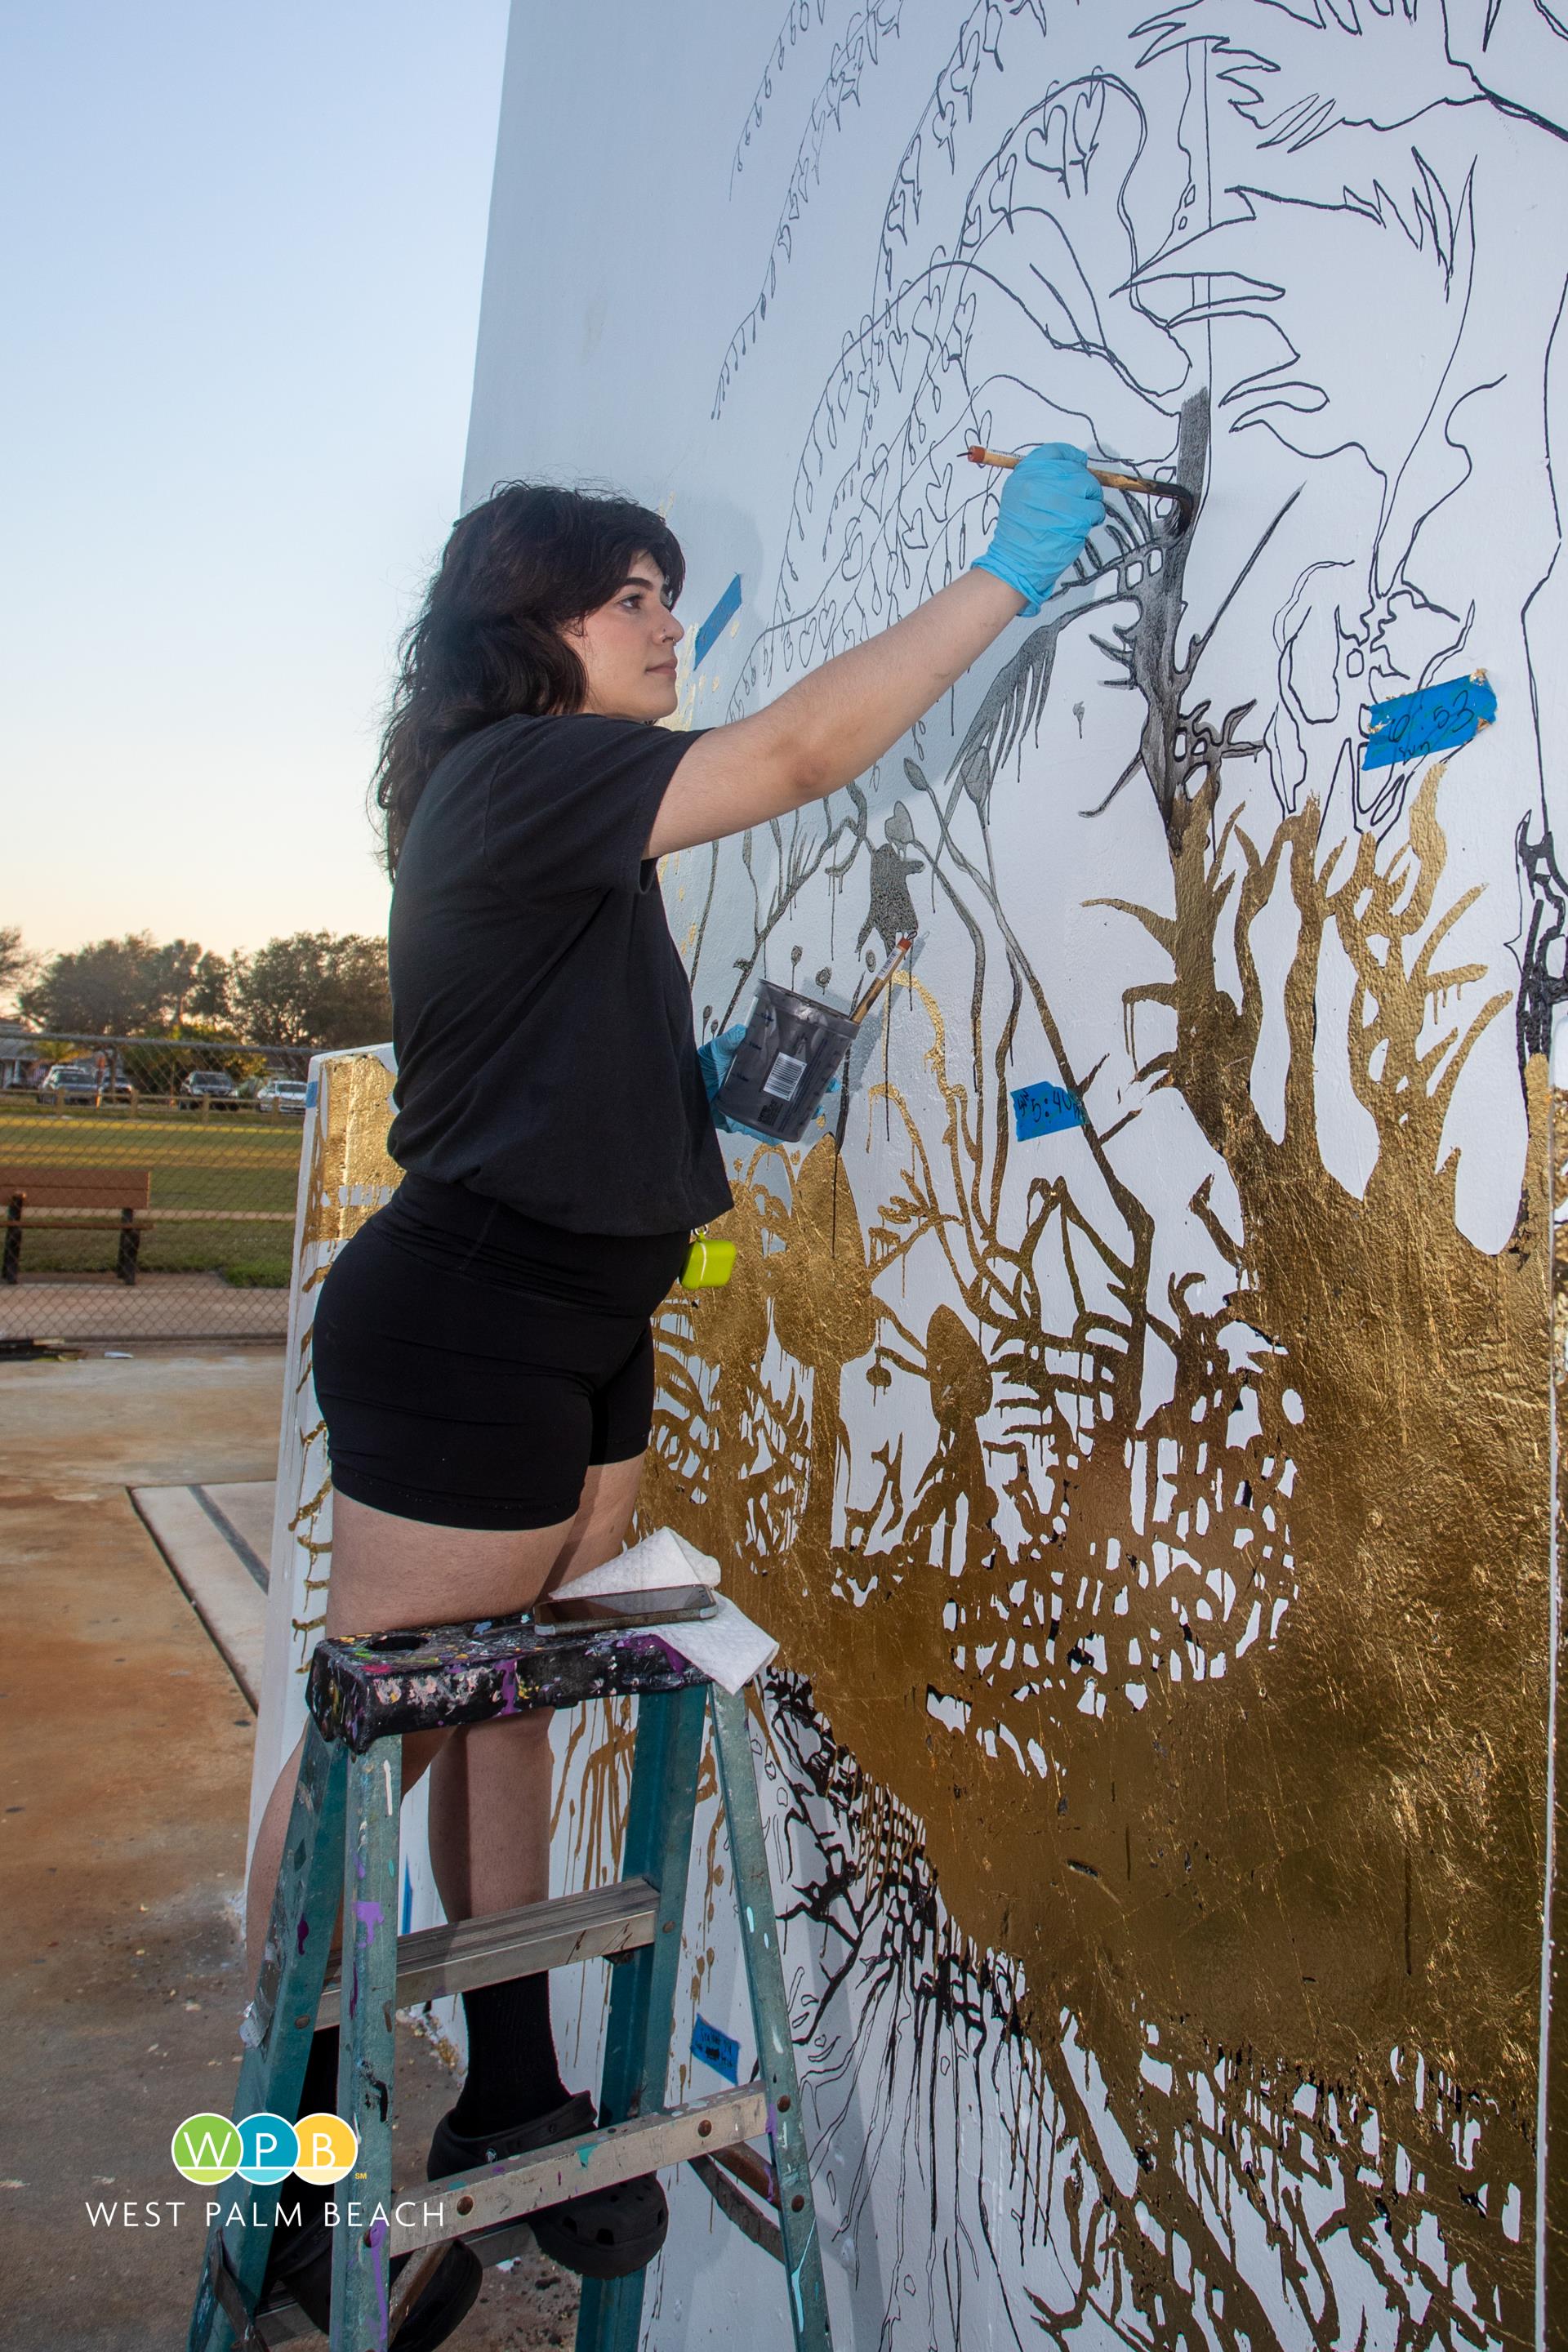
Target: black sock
<point>513,2076</point>
<point>318,2096</point>
<point>318,2093</point>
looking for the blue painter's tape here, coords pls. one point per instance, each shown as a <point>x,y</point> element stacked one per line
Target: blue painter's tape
<point>717,620</point>
<point>407,1920</point>
<point>1437,719</point>
<point>1044,1110</point>
<point>719,2051</point>
<point>312,1094</point>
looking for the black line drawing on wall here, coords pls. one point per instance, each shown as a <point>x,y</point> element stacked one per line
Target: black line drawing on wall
<point>1064,1442</point>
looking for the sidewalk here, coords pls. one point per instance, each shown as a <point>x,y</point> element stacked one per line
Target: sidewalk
<point>126,1759</point>
<point>200,1307</point>
<point>125,1753</point>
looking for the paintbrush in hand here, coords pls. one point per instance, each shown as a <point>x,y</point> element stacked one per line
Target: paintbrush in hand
<point>1141,485</point>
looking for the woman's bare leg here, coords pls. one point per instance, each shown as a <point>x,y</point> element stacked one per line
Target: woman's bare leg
<point>489,1813</point>
<point>604,1514</point>
<point>490,1791</point>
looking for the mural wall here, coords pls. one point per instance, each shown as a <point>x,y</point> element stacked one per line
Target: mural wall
<point>1136,1415</point>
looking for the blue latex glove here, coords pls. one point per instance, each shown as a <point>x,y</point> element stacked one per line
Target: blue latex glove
<point>714,1060</point>
<point>1050,503</point>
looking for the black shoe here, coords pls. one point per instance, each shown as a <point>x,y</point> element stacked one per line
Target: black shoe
<point>302,2263</point>
<point>606,2233</point>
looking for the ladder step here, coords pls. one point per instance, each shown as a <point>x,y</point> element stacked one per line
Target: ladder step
<point>501,2193</point>
<point>520,1943</point>
<point>439,1678</point>
<point>751,2219</point>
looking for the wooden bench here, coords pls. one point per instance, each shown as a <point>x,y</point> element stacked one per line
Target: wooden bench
<point>30,1194</point>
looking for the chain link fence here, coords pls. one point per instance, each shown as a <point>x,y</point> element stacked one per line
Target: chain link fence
<point>147,1188</point>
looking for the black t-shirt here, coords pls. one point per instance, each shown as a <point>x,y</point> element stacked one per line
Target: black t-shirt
<point>540,1014</point>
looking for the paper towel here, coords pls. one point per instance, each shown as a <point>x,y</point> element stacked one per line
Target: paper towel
<point>727,1646</point>
<point>659,1562</point>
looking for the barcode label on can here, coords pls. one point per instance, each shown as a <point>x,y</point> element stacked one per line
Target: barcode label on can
<point>784,1079</point>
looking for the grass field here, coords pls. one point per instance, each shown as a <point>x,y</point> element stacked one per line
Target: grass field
<point>235,1160</point>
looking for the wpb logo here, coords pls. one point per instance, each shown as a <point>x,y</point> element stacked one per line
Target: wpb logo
<point>264,2149</point>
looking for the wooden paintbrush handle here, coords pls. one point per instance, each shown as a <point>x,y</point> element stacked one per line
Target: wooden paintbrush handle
<point>858,1012</point>
<point>1142,483</point>
<point>1145,487</point>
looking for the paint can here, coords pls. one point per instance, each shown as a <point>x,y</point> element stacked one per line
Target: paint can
<point>782,1067</point>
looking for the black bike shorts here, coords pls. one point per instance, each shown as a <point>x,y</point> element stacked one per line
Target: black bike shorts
<point>471,1363</point>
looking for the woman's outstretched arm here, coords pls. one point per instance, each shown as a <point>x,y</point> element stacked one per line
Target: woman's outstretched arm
<point>835,724</point>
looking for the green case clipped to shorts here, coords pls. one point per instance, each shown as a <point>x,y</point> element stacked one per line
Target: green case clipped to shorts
<point>708,1264</point>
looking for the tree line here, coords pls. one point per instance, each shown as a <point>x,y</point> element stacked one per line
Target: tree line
<point>313,988</point>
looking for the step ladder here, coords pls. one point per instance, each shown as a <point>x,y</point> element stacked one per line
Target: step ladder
<point>344,1840</point>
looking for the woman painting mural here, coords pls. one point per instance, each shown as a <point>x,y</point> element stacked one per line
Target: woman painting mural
<point>482,1353</point>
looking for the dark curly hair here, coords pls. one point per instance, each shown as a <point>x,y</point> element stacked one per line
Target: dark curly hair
<point>486,642</point>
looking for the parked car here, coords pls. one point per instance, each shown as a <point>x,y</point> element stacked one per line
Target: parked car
<point>85,1078</point>
<point>210,1086</point>
<point>284,1095</point>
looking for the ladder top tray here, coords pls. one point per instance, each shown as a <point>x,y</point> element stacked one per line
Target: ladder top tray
<point>442,1677</point>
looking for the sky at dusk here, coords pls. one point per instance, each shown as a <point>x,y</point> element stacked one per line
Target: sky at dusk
<point>241,284</point>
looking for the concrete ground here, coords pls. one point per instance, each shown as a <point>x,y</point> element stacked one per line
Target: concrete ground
<point>124,1775</point>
